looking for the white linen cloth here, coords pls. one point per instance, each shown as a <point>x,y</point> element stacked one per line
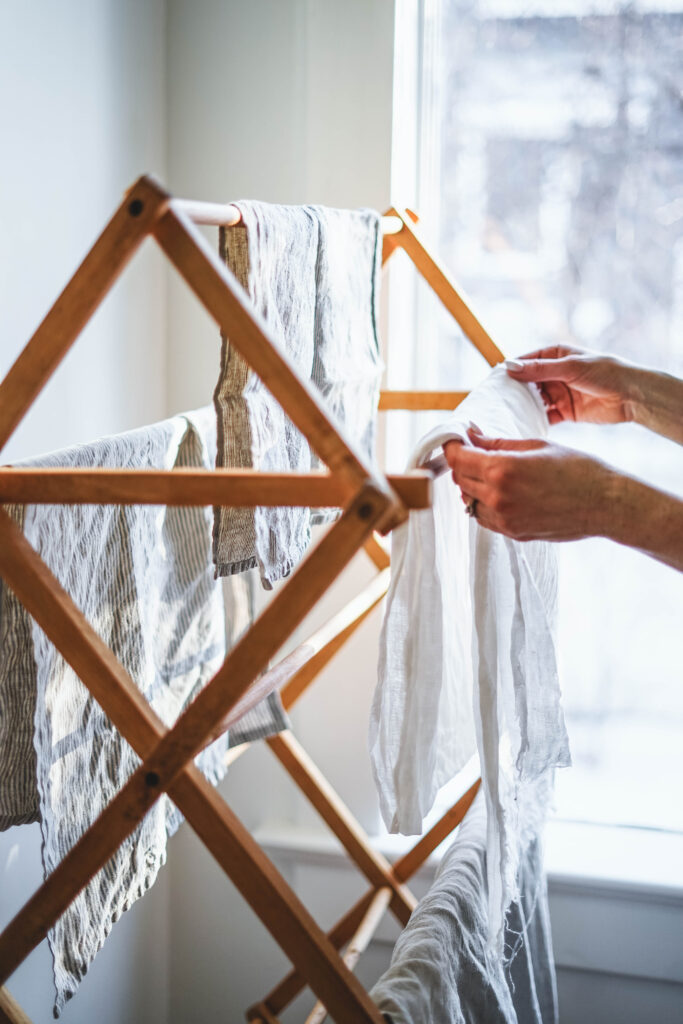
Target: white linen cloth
<point>442,967</point>
<point>313,276</point>
<point>467,656</point>
<point>143,577</point>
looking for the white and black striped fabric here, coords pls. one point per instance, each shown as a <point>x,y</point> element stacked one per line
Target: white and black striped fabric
<point>143,577</point>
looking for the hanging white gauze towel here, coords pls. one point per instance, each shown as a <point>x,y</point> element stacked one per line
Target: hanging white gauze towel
<point>312,274</point>
<point>142,576</point>
<point>467,656</point>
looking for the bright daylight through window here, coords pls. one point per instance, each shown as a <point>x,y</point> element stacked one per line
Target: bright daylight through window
<point>551,182</point>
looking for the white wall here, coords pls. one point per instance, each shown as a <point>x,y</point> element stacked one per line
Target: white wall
<point>82,114</point>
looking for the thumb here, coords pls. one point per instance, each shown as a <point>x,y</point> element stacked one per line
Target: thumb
<point>503,443</point>
<point>541,370</point>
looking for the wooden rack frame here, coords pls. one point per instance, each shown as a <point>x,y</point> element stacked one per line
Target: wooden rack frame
<point>370,501</point>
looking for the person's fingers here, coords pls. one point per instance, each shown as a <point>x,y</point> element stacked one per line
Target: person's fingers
<point>504,443</point>
<point>538,371</point>
<point>553,352</point>
<point>471,490</point>
<point>464,461</point>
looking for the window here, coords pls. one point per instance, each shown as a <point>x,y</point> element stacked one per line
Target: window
<point>550,178</point>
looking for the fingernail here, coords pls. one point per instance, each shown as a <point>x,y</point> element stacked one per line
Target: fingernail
<point>474,428</point>
<point>514,365</point>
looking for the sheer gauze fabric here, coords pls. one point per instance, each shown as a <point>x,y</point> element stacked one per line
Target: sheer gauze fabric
<point>312,274</point>
<point>143,577</point>
<point>467,657</point>
<point>442,966</point>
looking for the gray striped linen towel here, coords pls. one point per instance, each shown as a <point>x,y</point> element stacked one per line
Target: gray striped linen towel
<point>313,275</point>
<point>144,579</point>
<point>443,967</point>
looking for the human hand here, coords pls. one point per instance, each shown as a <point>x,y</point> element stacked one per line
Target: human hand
<point>576,384</point>
<point>532,490</point>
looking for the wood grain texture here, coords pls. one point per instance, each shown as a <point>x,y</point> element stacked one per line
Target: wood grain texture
<point>445,288</point>
<point>334,812</point>
<point>230,843</point>
<point>418,401</point>
<point>406,866</point>
<point>358,944</point>
<point>10,1011</point>
<point>235,487</point>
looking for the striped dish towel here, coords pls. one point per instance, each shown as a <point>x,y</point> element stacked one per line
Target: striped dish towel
<point>143,577</point>
<point>313,276</point>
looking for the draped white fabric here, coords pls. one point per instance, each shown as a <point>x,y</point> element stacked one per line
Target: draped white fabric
<point>467,657</point>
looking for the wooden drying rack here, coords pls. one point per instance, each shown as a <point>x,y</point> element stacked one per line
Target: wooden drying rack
<point>371,502</point>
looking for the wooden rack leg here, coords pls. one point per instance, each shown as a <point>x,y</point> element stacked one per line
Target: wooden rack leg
<point>10,1011</point>
<point>441,283</point>
<point>143,205</point>
<point>290,986</point>
<point>234,848</point>
<point>358,944</point>
<point>334,812</point>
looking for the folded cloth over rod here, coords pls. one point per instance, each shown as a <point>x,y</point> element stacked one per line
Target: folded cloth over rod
<point>442,967</point>
<point>143,577</point>
<point>313,275</point>
<point>467,657</point>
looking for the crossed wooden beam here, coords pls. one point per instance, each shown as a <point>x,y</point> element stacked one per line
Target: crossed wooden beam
<point>371,502</point>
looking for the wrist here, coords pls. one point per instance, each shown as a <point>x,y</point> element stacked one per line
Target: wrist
<point>635,386</point>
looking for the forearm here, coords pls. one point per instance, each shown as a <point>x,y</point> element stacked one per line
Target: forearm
<point>645,518</point>
<point>656,402</point>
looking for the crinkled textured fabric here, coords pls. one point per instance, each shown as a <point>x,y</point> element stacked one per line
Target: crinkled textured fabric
<point>143,577</point>
<point>443,968</point>
<point>313,275</point>
<point>269,716</point>
<point>467,657</point>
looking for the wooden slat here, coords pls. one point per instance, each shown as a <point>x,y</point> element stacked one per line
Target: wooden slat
<point>228,304</point>
<point>358,944</point>
<point>78,301</point>
<point>406,867</point>
<point>290,986</point>
<point>330,638</point>
<point>443,285</point>
<point>296,672</point>
<point>313,784</point>
<point>234,487</point>
<point>390,243</point>
<point>420,401</point>
<point>67,628</point>
<point>377,552</point>
<point>10,1011</point>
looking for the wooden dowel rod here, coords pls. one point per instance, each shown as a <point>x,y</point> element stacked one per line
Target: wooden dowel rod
<point>358,944</point>
<point>228,215</point>
<point>234,487</point>
<point>78,301</point>
<point>406,866</point>
<point>416,401</point>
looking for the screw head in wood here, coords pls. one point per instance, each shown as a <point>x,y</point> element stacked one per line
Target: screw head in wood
<point>135,207</point>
